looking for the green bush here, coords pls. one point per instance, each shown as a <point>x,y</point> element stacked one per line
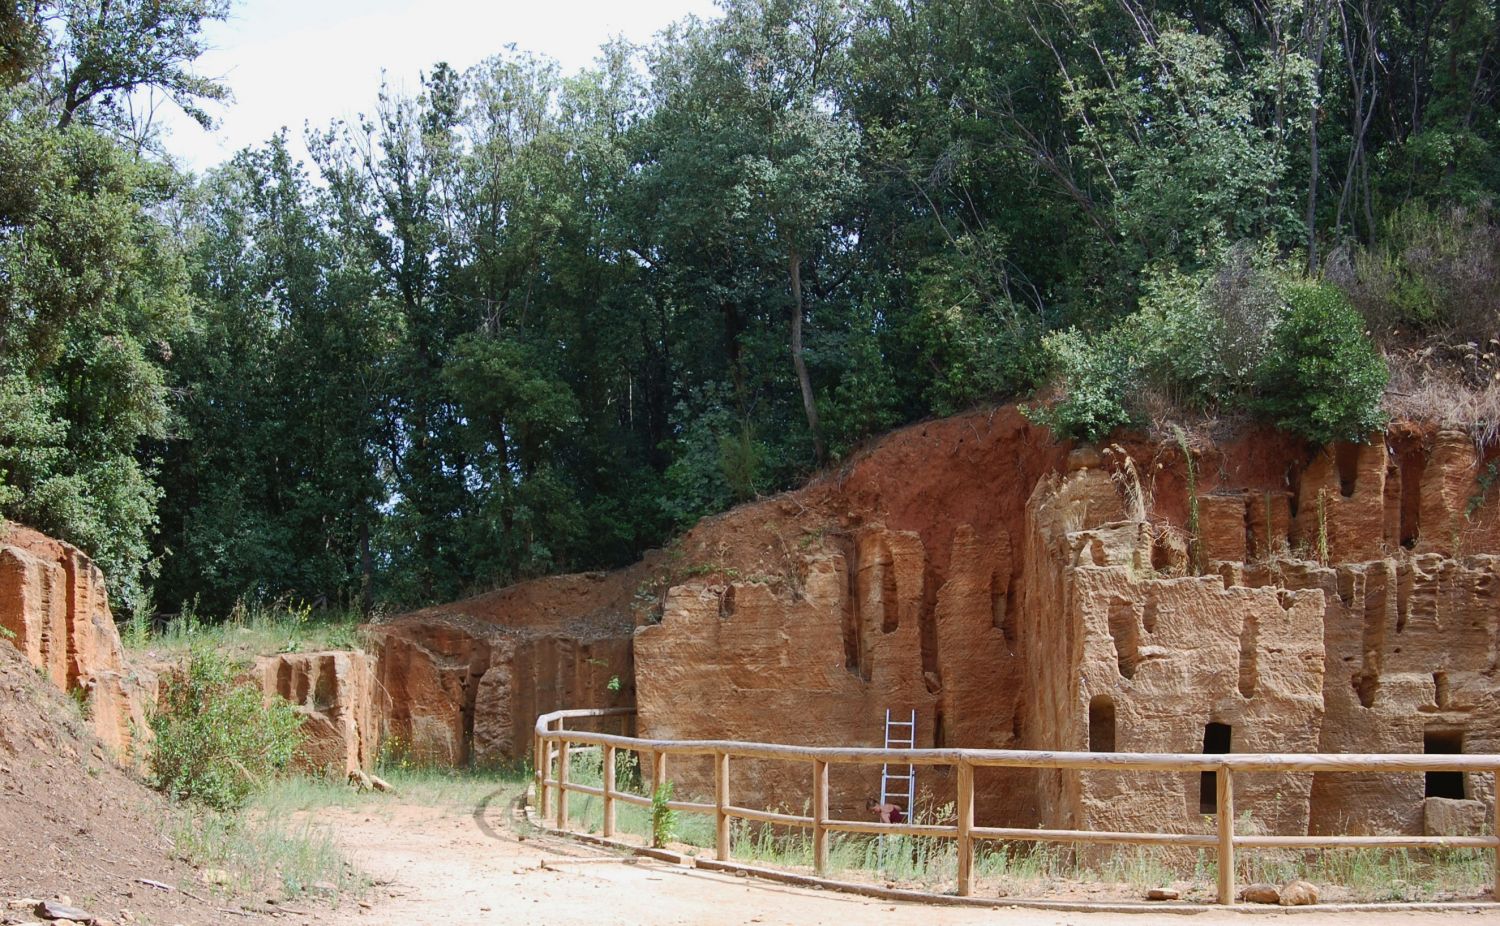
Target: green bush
<point>1095,376</point>
<point>1322,377</point>
<point>217,738</point>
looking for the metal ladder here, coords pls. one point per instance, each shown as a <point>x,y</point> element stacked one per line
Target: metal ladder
<point>899,734</point>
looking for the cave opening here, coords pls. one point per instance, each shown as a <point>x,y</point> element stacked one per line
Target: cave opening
<point>1216,741</point>
<point>1346,460</point>
<point>1444,743</point>
<point>1101,724</point>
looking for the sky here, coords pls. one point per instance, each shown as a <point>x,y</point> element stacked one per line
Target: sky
<point>292,62</point>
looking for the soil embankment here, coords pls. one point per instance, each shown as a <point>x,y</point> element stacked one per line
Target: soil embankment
<point>74,824</point>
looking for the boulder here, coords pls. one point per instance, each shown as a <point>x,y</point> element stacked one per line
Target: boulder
<point>1443,816</point>
<point>1299,894</point>
<point>1261,893</point>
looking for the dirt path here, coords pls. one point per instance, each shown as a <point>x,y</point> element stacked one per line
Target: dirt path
<point>456,866</point>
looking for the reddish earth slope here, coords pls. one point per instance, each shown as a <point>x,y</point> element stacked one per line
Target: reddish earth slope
<point>74,824</point>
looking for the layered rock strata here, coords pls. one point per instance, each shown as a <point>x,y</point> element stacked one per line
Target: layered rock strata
<point>466,682</point>
<point>55,609</point>
<point>1342,600</point>
<point>335,695</point>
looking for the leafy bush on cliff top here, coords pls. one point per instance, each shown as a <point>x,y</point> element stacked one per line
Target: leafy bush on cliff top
<point>1240,338</point>
<point>1323,377</point>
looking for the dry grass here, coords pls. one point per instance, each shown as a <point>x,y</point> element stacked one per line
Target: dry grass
<point>1424,390</point>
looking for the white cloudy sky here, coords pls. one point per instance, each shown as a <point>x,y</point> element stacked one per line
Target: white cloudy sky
<point>290,62</point>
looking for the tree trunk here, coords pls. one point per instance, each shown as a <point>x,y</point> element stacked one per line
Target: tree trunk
<point>366,572</point>
<point>808,403</point>
<point>1319,42</point>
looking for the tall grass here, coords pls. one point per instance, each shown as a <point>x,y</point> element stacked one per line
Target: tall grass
<point>266,852</point>
<point>251,628</point>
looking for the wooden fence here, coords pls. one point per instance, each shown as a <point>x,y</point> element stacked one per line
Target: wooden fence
<point>552,741</point>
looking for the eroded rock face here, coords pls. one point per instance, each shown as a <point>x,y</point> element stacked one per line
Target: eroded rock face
<point>1134,662</point>
<point>335,695</point>
<point>55,606</point>
<point>465,682</point>
<point>1343,600</point>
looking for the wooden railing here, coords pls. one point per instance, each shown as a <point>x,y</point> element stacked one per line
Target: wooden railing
<point>552,741</point>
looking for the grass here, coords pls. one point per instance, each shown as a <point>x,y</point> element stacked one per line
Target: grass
<point>1039,869</point>
<point>421,786</point>
<point>265,853</point>
<point>277,846</point>
<point>250,629</point>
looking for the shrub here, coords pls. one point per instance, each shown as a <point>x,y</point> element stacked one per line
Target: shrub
<point>217,737</point>
<point>1095,376</point>
<point>1434,273</point>
<point>1322,378</point>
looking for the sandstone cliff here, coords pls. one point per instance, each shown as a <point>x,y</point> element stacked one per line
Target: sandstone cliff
<point>465,682</point>
<point>1338,599</point>
<point>1012,595</point>
<point>55,607</point>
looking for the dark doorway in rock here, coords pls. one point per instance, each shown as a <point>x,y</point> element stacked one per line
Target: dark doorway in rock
<point>1444,743</point>
<point>1101,724</point>
<point>1216,739</point>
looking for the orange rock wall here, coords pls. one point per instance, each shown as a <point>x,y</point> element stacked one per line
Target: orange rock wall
<point>1133,662</point>
<point>1069,616</point>
<point>55,606</point>
<point>335,695</point>
<point>459,690</point>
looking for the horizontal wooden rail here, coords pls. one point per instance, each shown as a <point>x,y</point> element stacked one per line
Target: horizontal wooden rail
<point>552,742</point>
<point>1102,837</point>
<point>1027,758</point>
<point>766,816</point>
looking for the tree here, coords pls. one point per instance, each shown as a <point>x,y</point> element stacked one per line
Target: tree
<point>271,480</point>
<point>105,50</point>
<point>92,293</point>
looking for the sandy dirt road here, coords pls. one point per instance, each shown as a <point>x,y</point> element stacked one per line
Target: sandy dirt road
<point>456,866</point>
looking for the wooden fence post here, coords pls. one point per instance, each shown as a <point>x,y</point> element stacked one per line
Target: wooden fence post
<point>658,773</point>
<point>1225,786</point>
<point>544,791</point>
<point>538,773</point>
<point>609,792</point>
<point>1495,831</point>
<point>820,817</point>
<point>965,825</point>
<point>721,800</point>
<point>562,783</point>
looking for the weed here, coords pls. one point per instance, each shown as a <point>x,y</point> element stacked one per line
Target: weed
<point>1127,480</point>
<point>1195,541</point>
<point>1323,527</point>
<point>80,698</point>
<point>266,852</point>
<point>1482,487</point>
<point>663,817</point>
<point>252,629</point>
<point>7,634</point>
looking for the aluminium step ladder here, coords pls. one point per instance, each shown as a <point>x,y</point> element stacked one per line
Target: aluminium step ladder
<point>896,787</point>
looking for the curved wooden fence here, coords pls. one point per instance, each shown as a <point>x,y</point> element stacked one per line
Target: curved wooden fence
<point>553,740</point>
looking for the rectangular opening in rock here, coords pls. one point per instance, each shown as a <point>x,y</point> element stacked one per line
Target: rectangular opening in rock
<point>1101,724</point>
<point>1216,738</point>
<point>1444,743</point>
